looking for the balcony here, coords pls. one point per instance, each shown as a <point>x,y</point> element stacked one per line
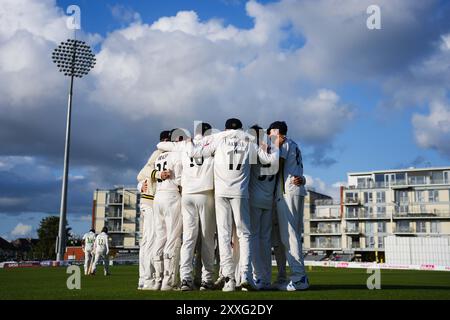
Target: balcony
<point>326,245</point>
<point>325,217</point>
<point>398,184</point>
<point>403,230</point>
<point>421,211</point>
<point>319,230</point>
<point>352,202</point>
<point>326,202</point>
<point>353,231</point>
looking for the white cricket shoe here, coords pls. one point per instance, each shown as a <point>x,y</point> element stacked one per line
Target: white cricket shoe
<point>220,282</point>
<point>187,285</point>
<point>230,285</point>
<point>302,284</point>
<point>166,286</point>
<point>156,287</point>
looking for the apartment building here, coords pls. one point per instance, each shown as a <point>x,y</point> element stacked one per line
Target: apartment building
<point>118,209</point>
<point>375,204</point>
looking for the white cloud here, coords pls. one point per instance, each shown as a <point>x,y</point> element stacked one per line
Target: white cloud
<point>11,201</point>
<point>21,229</point>
<point>433,130</point>
<point>320,186</point>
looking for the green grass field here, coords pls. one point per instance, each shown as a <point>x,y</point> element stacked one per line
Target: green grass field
<point>326,283</point>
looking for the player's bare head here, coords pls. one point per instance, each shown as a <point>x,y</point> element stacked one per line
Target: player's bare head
<point>164,136</point>
<point>92,230</point>
<point>278,128</point>
<point>233,124</point>
<point>179,134</point>
<point>203,128</point>
<point>105,230</point>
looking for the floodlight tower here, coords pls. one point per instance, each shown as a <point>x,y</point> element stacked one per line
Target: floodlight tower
<point>74,58</point>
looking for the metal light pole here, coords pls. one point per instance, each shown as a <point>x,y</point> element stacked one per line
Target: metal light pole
<point>74,58</point>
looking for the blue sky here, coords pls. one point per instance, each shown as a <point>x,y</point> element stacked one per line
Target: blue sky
<point>355,99</point>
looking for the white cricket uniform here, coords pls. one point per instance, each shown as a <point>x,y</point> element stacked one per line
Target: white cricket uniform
<point>290,202</point>
<point>233,152</point>
<point>168,221</point>
<point>262,187</point>
<point>146,269</point>
<point>101,249</point>
<point>197,208</point>
<point>146,245</point>
<point>89,239</point>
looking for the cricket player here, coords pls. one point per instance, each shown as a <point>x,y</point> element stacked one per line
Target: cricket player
<point>87,243</point>
<point>147,186</point>
<point>261,190</point>
<point>197,208</point>
<point>289,205</point>
<point>233,155</point>
<point>101,249</point>
<point>168,221</point>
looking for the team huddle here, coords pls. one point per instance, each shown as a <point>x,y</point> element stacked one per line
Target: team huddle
<point>244,189</point>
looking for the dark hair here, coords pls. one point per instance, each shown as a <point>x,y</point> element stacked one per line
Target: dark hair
<point>233,123</point>
<point>280,125</point>
<point>105,230</point>
<point>203,128</point>
<point>164,135</point>
<point>92,230</point>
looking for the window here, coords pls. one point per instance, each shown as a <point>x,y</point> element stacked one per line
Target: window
<point>379,180</point>
<point>417,179</point>
<point>352,227</point>
<point>437,177</point>
<point>381,211</point>
<point>435,227</point>
<point>380,242</point>
<point>368,197</point>
<point>433,196</point>
<point>446,176</point>
<point>421,227</point>
<point>363,182</point>
<point>403,208</point>
<point>403,226</point>
<point>370,242</point>
<point>370,227</point>
<point>381,227</point>
<point>352,212</point>
<point>420,196</point>
<point>381,197</point>
<point>400,178</point>
<point>402,196</point>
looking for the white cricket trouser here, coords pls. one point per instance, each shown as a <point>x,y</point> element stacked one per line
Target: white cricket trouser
<point>278,249</point>
<point>146,268</point>
<point>104,257</point>
<point>261,243</point>
<point>168,224</point>
<point>88,259</point>
<point>198,213</point>
<point>290,220</point>
<point>227,210</point>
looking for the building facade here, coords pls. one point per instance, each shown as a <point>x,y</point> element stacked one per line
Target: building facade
<point>118,210</point>
<point>409,202</point>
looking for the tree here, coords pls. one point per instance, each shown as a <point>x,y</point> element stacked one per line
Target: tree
<point>47,233</point>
